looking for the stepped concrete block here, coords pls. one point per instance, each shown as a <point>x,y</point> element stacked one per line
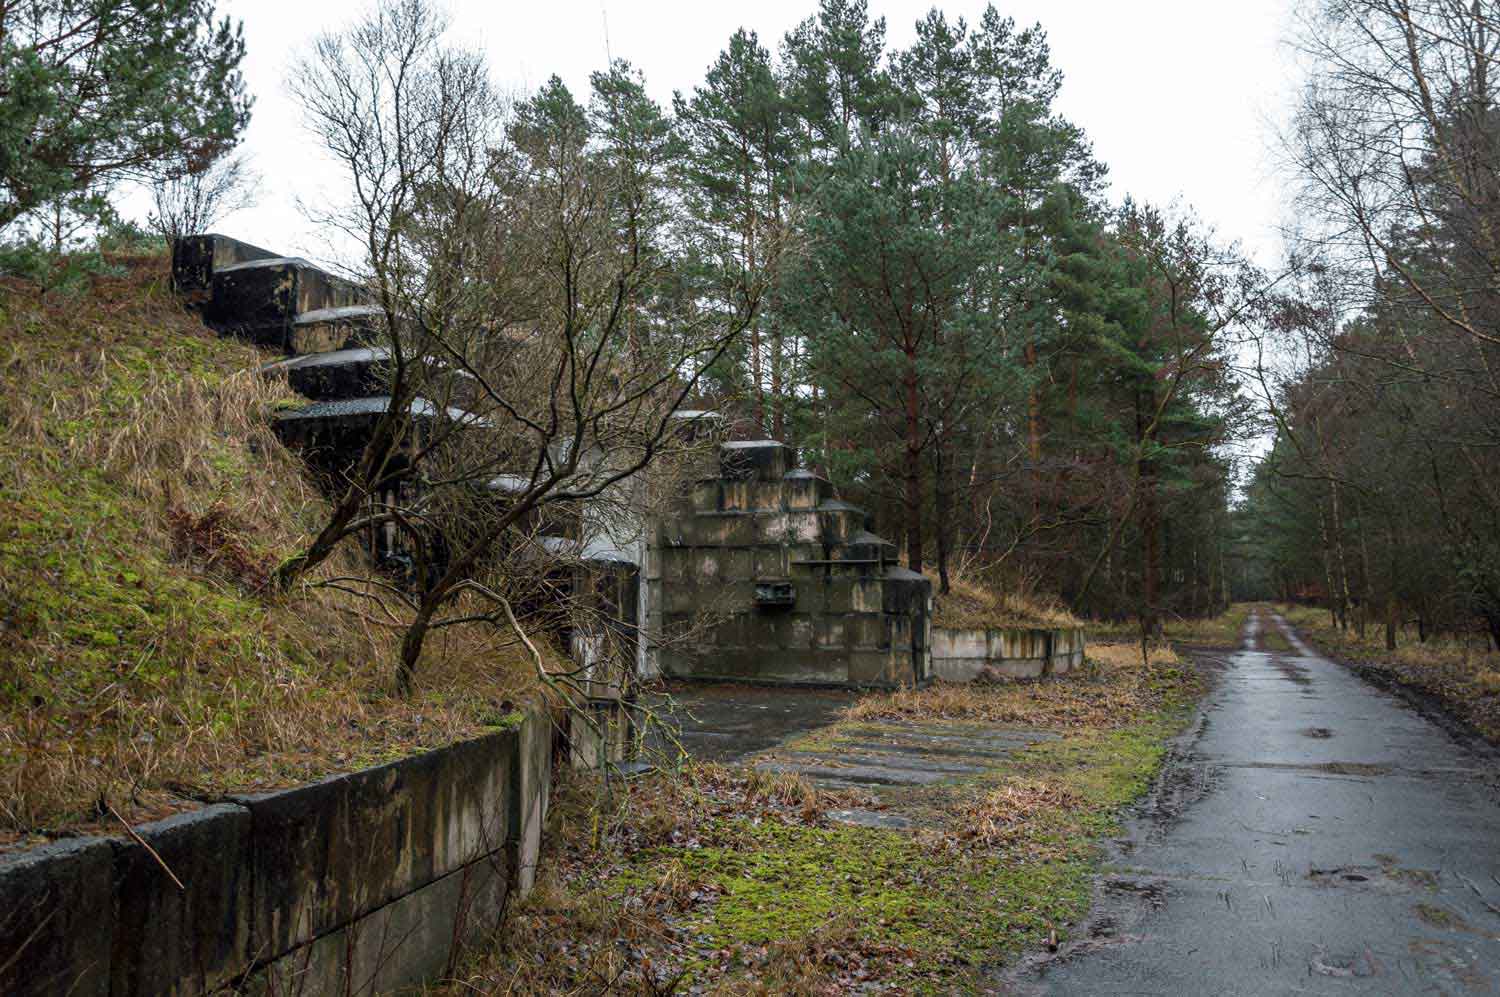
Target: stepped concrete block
<point>261,299</point>
<point>905,591</point>
<point>751,495</point>
<point>676,562</point>
<point>805,490</point>
<point>758,460</point>
<point>839,595</point>
<point>737,564</point>
<point>770,562</point>
<point>773,529</point>
<point>802,632</point>
<point>839,521</point>
<point>57,919</point>
<point>866,546</point>
<point>831,632</point>
<point>868,631</point>
<point>353,373</point>
<point>815,667</point>
<point>188,939</point>
<point>867,595</point>
<point>329,329</point>
<point>720,529</point>
<point>873,668</point>
<point>804,527</point>
<point>706,496</point>
<point>196,257</point>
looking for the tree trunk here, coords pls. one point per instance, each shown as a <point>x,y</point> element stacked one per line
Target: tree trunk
<point>411,644</point>
<point>1034,433</point>
<point>1150,554</point>
<point>913,470</point>
<point>942,508</point>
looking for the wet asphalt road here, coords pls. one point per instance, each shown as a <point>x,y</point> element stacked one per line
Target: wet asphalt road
<point>1313,835</point>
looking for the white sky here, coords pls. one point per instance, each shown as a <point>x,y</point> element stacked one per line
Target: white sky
<point>1179,96</point>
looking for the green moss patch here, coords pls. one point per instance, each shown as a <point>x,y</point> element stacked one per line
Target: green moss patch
<point>737,881</point>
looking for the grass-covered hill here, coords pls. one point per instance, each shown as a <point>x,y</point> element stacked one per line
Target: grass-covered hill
<point>974,605</point>
<point>143,500</point>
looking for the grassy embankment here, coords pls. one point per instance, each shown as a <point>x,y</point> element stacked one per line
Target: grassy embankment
<point>973,606</point>
<point>142,503</point>
<point>1463,675</point>
<point>736,881</point>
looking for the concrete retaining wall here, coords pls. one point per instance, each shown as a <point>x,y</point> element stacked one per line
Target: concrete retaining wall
<point>1011,652</point>
<point>358,884</point>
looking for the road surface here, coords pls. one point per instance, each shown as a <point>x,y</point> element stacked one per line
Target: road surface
<point>1313,835</point>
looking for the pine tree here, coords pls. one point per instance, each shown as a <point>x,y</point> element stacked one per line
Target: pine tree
<point>97,91</point>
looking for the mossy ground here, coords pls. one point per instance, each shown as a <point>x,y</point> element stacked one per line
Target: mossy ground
<point>143,500</point>
<point>735,881</point>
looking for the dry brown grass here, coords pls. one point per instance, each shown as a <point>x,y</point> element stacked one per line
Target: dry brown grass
<point>973,605</point>
<point>1125,656</point>
<point>1002,814</point>
<point>1112,688</point>
<point>142,502</point>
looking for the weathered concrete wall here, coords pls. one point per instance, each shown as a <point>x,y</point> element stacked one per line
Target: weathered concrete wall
<point>1010,652</point>
<point>766,577</point>
<point>355,885</point>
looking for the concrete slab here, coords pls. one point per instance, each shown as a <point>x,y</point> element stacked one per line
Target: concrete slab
<point>762,727</point>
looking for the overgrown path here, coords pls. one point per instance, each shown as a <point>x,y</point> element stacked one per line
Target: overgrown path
<point>1313,835</point>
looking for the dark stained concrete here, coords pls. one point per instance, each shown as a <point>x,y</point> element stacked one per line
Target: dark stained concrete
<point>1313,835</point>
<point>888,763</point>
<point>728,723</point>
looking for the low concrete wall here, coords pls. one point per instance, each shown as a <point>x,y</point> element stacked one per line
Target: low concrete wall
<point>1010,652</point>
<point>359,884</point>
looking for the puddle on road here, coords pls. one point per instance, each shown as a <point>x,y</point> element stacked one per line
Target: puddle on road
<point>1292,672</point>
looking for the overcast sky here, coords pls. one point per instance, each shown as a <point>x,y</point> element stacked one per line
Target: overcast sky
<point>1179,96</point>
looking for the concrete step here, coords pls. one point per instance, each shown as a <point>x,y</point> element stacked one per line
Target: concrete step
<point>348,373</point>
<point>261,299</point>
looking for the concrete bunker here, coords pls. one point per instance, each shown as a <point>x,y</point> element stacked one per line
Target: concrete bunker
<point>775,580</point>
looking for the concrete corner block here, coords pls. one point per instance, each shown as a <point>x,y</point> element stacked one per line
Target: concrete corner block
<point>532,783</point>
<point>191,939</point>
<point>870,668</point>
<point>416,939</point>
<point>755,460</point>
<point>327,853</point>
<point>56,919</point>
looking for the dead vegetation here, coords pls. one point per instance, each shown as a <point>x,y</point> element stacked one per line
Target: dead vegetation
<point>1112,688</point>
<point>974,605</point>
<point>712,880</point>
<point>143,502</point>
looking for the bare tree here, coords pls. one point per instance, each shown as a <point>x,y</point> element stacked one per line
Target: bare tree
<point>190,201</point>
<point>1395,152</point>
<point>512,300</point>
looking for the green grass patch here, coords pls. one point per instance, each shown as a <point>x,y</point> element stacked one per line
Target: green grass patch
<point>736,882</point>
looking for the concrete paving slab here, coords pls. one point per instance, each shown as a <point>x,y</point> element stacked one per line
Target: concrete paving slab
<point>765,727</point>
